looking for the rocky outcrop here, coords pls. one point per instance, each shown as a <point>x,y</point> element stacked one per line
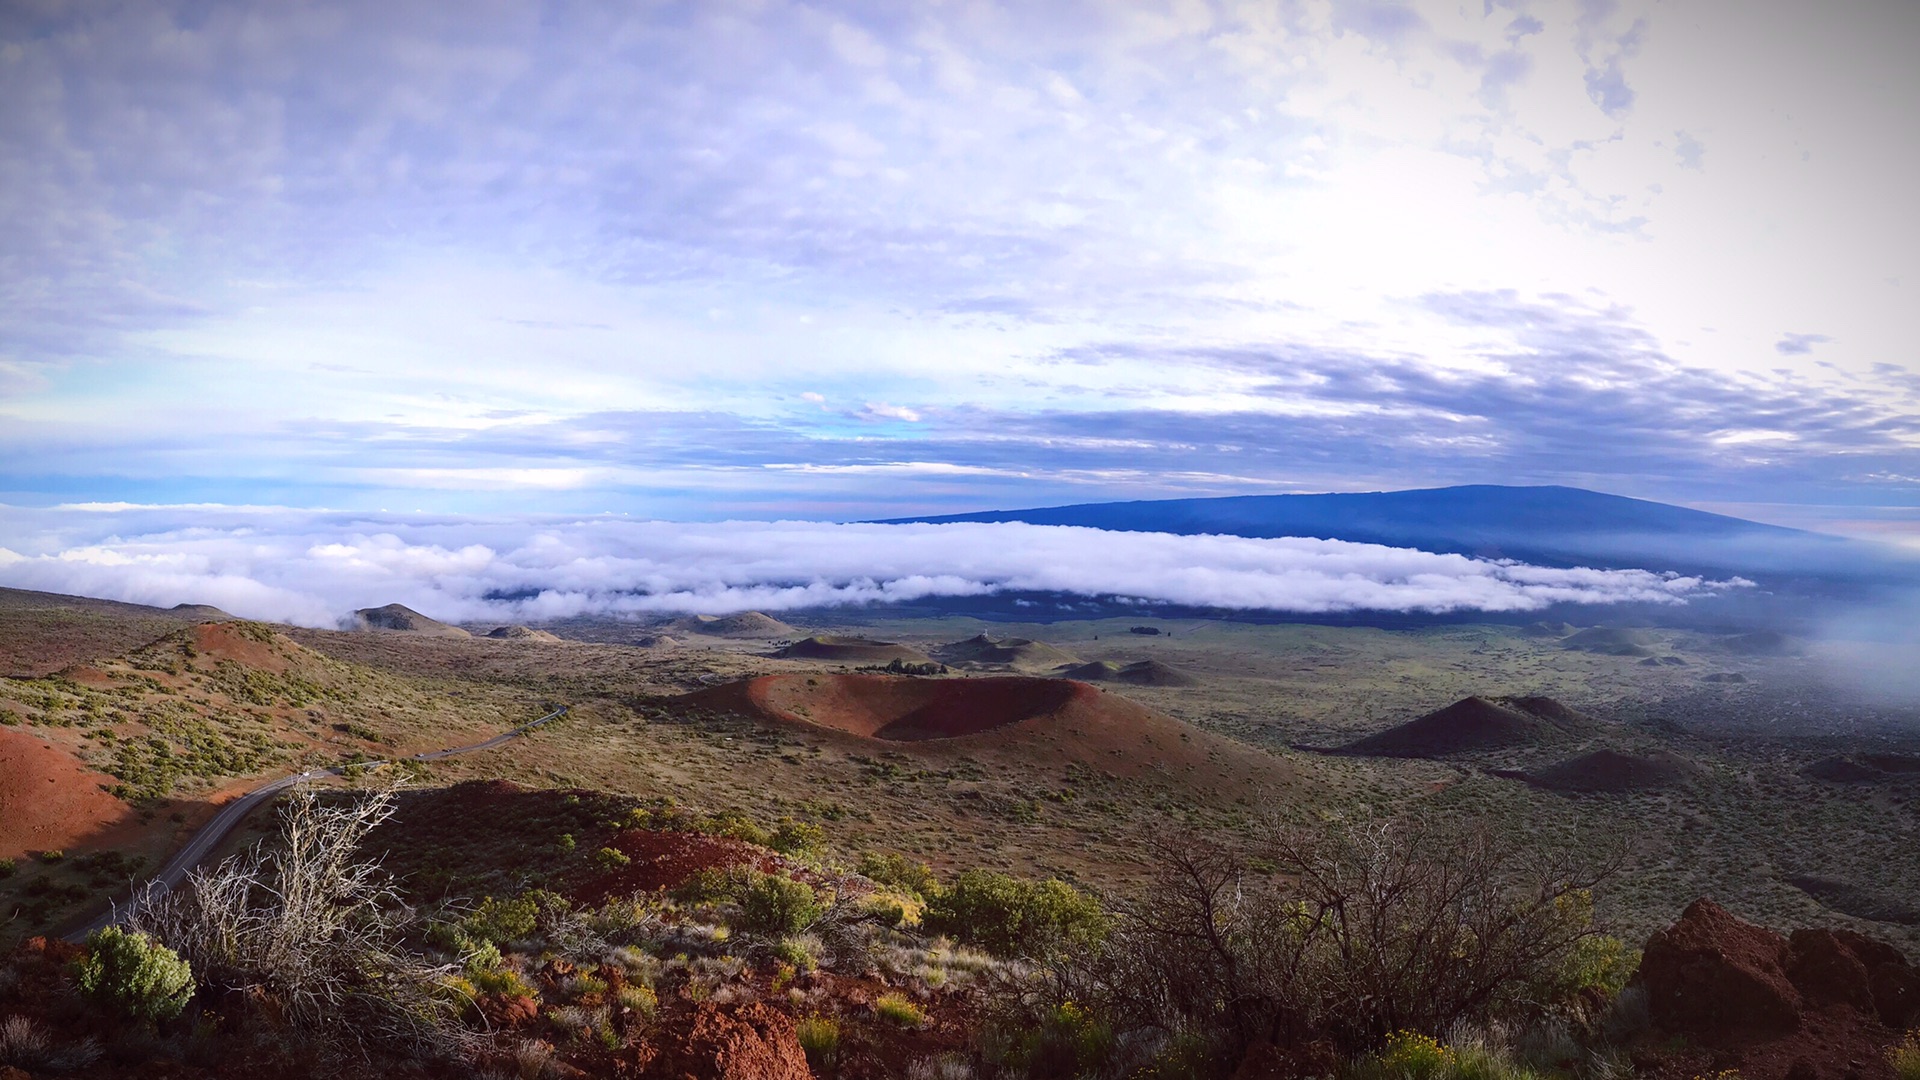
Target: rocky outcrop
<point>734,1042</point>
<point>1714,976</point>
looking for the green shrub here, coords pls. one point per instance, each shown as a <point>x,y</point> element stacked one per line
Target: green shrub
<point>709,885</point>
<point>1598,963</point>
<point>896,1009</point>
<point>792,837</point>
<point>499,921</point>
<point>736,826</point>
<point>134,975</point>
<point>641,999</point>
<point>1011,917</point>
<point>799,953</point>
<point>482,957</point>
<point>899,872</point>
<point>503,981</point>
<point>820,1038</point>
<point>7,868</point>
<point>1904,1056</point>
<point>1409,1055</point>
<point>52,856</point>
<point>611,858</point>
<point>771,904</point>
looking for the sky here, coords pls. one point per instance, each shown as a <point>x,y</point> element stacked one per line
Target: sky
<point>782,261</point>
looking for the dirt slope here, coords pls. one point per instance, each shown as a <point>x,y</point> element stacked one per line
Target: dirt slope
<point>50,801</point>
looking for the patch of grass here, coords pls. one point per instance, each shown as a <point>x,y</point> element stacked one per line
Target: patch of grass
<point>820,1038</point>
<point>1904,1056</point>
<point>896,1009</point>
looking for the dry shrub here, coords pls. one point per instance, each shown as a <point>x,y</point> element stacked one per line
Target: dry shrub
<point>1344,934</point>
<point>315,927</point>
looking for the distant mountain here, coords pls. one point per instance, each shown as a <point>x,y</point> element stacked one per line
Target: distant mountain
<point>1550,526</point>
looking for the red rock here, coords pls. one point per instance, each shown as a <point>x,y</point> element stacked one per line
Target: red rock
<point>733,1042</point>
<point>1711,972</point>
<point>1827,972</point>
<point>509,1011</point>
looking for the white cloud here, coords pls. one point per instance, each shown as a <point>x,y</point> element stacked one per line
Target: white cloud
<point>312,568</point>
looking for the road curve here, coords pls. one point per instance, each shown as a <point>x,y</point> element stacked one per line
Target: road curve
<point>235,811</point>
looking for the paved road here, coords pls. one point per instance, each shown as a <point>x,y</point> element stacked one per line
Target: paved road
<point>209,836</point>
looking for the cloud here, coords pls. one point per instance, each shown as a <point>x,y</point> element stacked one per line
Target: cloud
<point>1799,344</point>
<point>313,568</point>
<point>880,410</point>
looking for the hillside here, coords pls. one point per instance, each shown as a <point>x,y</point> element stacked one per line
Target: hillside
<point>1040,722</point>
<point>852,650</point>
<point>1476,723</point>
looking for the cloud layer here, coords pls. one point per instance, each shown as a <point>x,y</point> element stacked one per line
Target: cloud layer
<point>313,569</point>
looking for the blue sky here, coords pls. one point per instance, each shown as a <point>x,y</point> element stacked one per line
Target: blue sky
<point>760,260</point>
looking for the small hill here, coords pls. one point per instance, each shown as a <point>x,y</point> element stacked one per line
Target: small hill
<point>1476,723</point>
<point>50,801</point>
<point>1034,721</point>
<point>1138,673</point>
<point>1612,641</point>
<point>1614,771</point>
<point>521,633</point>
<point>1863,768</point>
<point>852,650</point>
<point>1548,630</point>
<point>1663,661</point>
<point>743,624</point>
<point>1022,653</point>
<point>399,619</point>
<point>199,611</point>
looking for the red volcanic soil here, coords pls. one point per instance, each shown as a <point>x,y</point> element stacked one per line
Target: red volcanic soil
<point>230,641</point>
<point>667,860</point>
<point>1039,720</point>
<point>1820,1003</point>
<point>911,710</point>
<point>50,801</point>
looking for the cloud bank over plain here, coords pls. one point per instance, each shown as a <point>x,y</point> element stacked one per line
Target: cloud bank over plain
<point>312,569</point>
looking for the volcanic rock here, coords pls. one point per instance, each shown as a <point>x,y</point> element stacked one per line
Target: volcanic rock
<point>751,1041</point>
<point>1714,976</point>
<point>1712,971</point>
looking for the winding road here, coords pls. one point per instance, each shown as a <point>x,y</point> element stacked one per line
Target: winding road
<point>208,837</point>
